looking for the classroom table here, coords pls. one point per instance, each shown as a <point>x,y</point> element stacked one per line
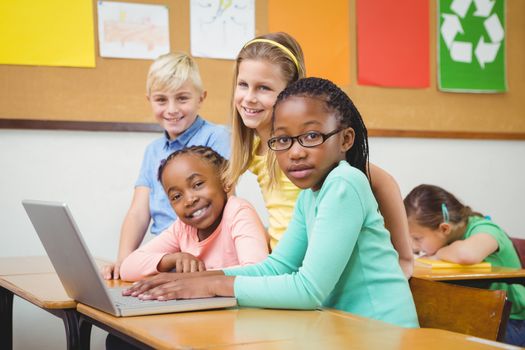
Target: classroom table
<point>472,277</point>
<point>19,265</point>
<point>34,279</point>
<point>257,329</point>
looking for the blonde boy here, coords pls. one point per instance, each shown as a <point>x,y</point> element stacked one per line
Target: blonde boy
<point>175,92</point>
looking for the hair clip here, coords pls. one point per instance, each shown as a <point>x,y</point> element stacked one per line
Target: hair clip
<point>444,210</point>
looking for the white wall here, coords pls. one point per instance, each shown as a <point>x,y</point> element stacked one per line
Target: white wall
<point>94,173</point>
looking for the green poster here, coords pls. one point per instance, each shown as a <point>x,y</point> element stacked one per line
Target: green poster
<point>471,45</point>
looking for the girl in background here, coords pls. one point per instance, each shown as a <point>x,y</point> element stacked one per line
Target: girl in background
<point>442,227</point>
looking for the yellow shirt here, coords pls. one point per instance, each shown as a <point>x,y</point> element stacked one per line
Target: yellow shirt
<point>279,201</point>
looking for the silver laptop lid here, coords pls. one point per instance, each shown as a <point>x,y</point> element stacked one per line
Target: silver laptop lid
<point>68,253</point>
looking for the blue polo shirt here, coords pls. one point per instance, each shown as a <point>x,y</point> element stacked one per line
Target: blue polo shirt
<point>200,133</point>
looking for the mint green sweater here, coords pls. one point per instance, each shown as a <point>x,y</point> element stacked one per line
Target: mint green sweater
<point>335,253</point>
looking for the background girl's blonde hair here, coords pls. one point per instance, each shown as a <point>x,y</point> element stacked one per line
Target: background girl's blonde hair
<point>424,204</point>
<point>242,136</point>
<point>168,72</point>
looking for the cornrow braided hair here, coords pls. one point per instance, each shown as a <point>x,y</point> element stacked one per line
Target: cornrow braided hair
<point>204,152</point>
<point>336,101</point>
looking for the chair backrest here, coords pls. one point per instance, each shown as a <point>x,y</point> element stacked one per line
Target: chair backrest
<point>478,312</point>
<point>519,245</point>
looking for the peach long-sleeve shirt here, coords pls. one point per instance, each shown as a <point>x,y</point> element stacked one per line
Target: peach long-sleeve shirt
<point>240,239</point>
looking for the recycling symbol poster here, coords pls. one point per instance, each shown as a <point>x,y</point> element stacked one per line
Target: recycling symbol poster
<point>471,46</point>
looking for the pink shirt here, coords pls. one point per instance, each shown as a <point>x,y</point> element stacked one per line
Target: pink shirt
<point>240,239</point>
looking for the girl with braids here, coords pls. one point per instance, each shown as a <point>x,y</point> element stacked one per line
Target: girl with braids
<point>336,251</point>
<point>213,230</point>
<point>264,67</point>
<point>443,228</point>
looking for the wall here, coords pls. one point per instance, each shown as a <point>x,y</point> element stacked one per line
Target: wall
<point>94,173</point>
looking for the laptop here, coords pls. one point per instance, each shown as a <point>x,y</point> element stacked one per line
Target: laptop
<point>80,275</point>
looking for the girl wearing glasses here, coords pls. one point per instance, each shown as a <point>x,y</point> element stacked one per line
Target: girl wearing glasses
<point>336,251</point>
<point>442,227</point>
<point>264,67</point>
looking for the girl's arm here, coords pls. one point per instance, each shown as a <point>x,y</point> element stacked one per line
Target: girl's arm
<point>283,261</point>
<point>133,230</point>
<point>388,196</point>
<point>202,287</point>
<point>469,251</point>
<point>161,254</point>
<point>249,236</point>
<point>147,288</point>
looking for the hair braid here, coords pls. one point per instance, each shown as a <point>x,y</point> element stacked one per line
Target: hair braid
<point>204,152</point>
<point>337,101</point>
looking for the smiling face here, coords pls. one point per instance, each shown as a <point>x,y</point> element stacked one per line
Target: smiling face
<point>176,110</point>
<point>427,240</point>
<point>195,192</point>
<point>257,86</point>
<point>308,167</point>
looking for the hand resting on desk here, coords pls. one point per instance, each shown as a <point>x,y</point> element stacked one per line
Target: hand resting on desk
<point>111,271</point>
<point>181,262</point>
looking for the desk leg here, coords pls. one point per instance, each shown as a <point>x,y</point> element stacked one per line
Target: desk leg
<point>85,334</point>
<point>87,322</point>
<point>6,319</point>
<point>70,318</point>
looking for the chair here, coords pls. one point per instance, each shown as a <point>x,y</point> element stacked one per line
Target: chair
<point>519,245</point>
<point>478,312</point>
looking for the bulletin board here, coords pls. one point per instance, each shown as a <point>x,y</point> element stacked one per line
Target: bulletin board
<point>111,96</point>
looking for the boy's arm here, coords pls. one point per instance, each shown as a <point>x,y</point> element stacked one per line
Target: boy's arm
<point>133,230</point>
<point>469,251</point>
<point>390,203</point>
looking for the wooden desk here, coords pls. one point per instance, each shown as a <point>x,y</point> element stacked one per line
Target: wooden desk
<point>472,277</point>
<point>19,265</point>
<point>34,279</point>
<point>257,329</point>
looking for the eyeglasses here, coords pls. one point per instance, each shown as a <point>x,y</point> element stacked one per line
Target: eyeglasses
<point>308,140</point>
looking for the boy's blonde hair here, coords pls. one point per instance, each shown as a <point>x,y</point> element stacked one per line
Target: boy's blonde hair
<point>168,72</point>
<point>292,70</point>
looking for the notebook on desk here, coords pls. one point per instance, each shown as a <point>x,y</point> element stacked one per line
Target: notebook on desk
<point>80,275</point>
<point>440,264</point>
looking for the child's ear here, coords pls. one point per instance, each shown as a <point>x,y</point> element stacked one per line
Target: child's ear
<point>227,188</point>
<point>203,96</point>
<point>348,139</point>
<point>147,98</point>
<point>445,228</point>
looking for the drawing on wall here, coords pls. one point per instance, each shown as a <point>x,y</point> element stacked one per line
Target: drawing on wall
<point>219,28</point>
<point>471,45</point>
<point>128,30</point>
